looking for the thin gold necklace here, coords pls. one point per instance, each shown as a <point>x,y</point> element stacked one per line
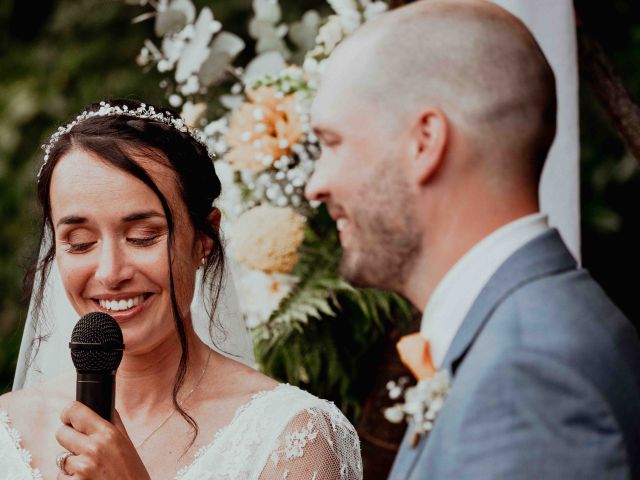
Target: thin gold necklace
<point>144,440</point>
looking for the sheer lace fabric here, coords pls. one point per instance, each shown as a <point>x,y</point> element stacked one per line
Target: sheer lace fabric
<point>284,433</point>
<point>15,461</point>
<point>315,446</point>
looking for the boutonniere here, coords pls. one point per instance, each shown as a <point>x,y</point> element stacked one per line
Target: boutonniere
<point>421,404</point>
<point>422,401</point>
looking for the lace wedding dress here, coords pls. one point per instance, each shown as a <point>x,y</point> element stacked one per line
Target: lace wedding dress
<point>284,433</point>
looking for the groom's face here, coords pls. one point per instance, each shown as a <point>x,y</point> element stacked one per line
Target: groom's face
<point>360,177</point>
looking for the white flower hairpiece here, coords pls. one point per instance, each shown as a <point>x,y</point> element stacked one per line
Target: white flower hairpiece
<point>143,111</point>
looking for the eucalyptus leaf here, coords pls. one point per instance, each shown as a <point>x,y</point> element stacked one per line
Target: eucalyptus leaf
<point>186,7</point>
<point>197,51</point>
<point>258,27</point>
<point>303,33</point>
<point>213,69</point>
<point>270,63</point>
<point>169,21</point>
<point>231,102</point>
<point>267,10</point>
<point>273,43</point>
<point>227,42</point>
<point>143,17</point>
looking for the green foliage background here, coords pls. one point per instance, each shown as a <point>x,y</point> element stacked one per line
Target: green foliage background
<point>56,56</point>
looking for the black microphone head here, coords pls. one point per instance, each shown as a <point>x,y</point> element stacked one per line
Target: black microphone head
<point>96,343</point>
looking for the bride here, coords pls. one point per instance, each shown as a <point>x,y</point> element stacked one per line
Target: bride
<point>126,192</point>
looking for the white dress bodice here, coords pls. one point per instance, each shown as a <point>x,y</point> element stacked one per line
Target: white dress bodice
<point>284,433</point>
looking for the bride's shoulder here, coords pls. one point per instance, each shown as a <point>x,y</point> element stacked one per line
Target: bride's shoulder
<point>32,404</point>
<point>303,409</point>
<point>293,395</point>
<point>316,438</point>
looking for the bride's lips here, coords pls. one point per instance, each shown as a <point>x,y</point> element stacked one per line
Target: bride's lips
<point>124,315</point>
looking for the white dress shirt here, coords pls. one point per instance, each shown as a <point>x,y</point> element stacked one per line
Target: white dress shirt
<point>454,295</point>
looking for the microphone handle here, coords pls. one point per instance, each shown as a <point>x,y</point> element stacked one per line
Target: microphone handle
<point>98,392</point>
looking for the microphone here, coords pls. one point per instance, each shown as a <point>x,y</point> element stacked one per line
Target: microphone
<point>96,351</point>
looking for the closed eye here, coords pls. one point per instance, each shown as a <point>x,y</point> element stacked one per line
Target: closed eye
<point>79,247</point>
<point>144,242</point>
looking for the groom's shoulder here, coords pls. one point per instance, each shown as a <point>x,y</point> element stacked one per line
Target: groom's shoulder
<point>566,311</point>
<point>569,318</point>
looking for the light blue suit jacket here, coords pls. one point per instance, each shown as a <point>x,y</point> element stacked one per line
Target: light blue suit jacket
<point>546,381</point>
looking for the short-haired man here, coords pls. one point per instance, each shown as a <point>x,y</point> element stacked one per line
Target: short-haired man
<point>435,120</point>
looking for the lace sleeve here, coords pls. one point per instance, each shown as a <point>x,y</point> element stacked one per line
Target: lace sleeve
<point>317,444</point>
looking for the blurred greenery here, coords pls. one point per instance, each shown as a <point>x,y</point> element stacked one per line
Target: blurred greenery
<point>56,56</point>
<point>610,176</point>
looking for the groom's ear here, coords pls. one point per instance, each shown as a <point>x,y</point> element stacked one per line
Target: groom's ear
<point>430,135</point>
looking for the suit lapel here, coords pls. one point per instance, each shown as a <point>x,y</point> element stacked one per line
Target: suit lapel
<point>543,256</point>
<point>407,456</point>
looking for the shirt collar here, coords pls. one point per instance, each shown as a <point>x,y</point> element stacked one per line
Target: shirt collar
<point>454,295</point>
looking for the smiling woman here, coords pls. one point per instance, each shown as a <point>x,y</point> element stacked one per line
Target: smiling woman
<point>127,194</point>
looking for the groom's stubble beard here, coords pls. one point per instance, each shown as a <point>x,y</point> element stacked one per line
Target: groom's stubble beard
<point>386,236</point>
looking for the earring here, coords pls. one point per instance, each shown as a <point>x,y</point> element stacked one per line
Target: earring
<point>202,262</point>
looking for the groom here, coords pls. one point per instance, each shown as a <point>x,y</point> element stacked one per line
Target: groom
<point>435,121</point>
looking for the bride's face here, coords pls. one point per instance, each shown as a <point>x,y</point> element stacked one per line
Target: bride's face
<point>111,246</point>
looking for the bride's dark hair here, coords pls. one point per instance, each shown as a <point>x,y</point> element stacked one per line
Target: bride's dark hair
<point>114,138</point>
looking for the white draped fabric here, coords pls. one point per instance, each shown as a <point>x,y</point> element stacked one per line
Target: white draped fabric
<point>553,25</point>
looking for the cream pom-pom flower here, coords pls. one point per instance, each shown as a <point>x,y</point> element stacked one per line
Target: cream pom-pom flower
<point>267,238</point>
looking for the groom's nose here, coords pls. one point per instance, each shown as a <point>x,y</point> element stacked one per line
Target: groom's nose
<point>317,186</point>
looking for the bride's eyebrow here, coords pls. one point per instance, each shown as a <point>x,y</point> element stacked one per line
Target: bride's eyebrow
<point>71,220</point>
<point>134,217</point>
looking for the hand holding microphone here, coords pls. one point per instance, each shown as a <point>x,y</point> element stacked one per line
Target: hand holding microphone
<point>96,441</point>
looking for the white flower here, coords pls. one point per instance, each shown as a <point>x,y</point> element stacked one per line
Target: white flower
<point>267,10</point>
<point>304,32</point>
<point>373,9</point>
<point>350,20</point>
<point>394,414</point>
<point>395,393</point>
<point>172,48</point>
<point>270,63</point>
<point>197,50</point>
<point>231,197</point>
<point>310,66</point>
<point>422,402</point>
<point>175,100</point>
<point>331,33</point>
<point>186,7</point>
<point>342,5</point>
<point>219,126</point>
<point>191,86</point>
<point>192,113</point>
<point>265,292</point>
